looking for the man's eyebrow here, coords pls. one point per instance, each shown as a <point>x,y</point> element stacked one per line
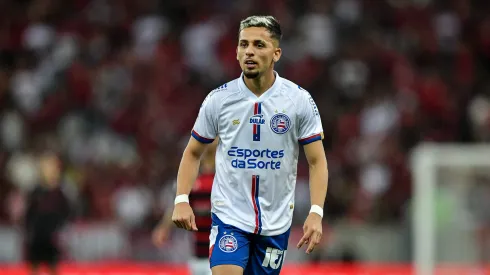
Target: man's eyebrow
<point>254,41</point>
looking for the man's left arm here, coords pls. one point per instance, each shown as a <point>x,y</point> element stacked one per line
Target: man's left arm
<point>310,135</point>
<point>317,162</point>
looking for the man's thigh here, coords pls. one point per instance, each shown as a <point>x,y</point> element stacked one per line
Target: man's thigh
<point>267,254</point>
<point>228,245</point>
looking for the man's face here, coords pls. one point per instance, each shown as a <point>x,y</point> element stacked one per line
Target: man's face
<point>50,170</point>
<point>257,51</point>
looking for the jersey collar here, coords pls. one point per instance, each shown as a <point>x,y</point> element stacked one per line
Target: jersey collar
<point>243,87</point>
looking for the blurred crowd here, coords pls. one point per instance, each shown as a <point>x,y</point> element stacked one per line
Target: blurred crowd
<point>114,86</point>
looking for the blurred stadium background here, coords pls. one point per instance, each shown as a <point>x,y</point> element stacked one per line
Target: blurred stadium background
<point>114,87</point>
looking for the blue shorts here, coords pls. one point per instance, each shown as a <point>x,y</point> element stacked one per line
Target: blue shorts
<point>255,253</point>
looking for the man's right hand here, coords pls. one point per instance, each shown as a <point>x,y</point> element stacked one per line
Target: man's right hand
<point>183,217</point>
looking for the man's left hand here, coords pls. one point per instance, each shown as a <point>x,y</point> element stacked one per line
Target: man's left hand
<point>312,232</point>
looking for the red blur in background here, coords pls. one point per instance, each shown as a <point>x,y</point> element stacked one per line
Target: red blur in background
<point>128,268</point>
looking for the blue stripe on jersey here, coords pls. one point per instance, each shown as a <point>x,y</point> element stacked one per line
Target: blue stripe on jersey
<point>310,139</point>
<point>200,138</point>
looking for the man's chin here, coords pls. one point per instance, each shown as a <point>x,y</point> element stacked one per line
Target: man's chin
<point>250,74</point>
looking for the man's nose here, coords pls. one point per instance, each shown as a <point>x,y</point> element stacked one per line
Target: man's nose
<point>249,51</point>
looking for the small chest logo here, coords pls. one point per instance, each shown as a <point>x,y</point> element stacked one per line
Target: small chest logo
<point>257,119</point>
<point>228,244</point>
<point>280,123</point>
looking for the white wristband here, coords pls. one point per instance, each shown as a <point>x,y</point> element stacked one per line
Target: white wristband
<point>317,209</point>
<point>181,198</point>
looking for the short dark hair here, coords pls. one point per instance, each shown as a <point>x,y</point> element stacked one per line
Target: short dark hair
<point>265,21</point>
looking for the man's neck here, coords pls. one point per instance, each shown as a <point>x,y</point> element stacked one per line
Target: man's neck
<point>259,85</point>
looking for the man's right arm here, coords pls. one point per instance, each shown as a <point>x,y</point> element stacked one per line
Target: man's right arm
<point>203,133</point>
<point>189,166</point>
<point>182,215</point>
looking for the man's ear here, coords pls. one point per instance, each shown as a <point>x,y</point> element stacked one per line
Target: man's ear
<point>277,55</point>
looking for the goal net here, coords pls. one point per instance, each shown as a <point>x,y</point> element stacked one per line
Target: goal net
<point>451,208</point>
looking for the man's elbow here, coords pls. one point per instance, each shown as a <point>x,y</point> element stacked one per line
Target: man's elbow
<point>318,162</point>
<point>194,151</point>
<point>191,154</point>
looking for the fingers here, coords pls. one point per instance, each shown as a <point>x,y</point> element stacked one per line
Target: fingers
<point>178,222</point>
<point>184,223</point>
<point>305,238</point>
<point>183,217</point>
<point>315,240</point>
<point>187,223</point>
<point>311,237</point>
<point>193,223</point>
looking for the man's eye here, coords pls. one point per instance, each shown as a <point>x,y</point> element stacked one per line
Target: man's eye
<point>260,45</point>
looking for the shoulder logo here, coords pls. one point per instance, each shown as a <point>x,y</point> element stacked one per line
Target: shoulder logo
<point>222,87</point>
<point>313,105</point>
<point>236,121</point>
<point>228,244</point>
<point>312,102</point>
<point>280,123</point>
<point>219,89</point>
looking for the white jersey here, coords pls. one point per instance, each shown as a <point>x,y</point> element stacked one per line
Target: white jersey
<point>257,154</point>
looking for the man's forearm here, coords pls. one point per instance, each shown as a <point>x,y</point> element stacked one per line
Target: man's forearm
<point>188,171</point>
<point>318,183</point>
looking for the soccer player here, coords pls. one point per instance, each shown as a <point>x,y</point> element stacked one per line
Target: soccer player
<point>200,201</point>
<point>259,119</point>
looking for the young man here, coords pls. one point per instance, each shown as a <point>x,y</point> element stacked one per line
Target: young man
<point>259,119</point>
<point>47,211</point>
<point>200,201</point>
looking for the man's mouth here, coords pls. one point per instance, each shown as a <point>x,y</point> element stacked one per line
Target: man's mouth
<point>250,64</point>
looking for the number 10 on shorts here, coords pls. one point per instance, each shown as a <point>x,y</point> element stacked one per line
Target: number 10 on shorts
<point>273,258</point>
